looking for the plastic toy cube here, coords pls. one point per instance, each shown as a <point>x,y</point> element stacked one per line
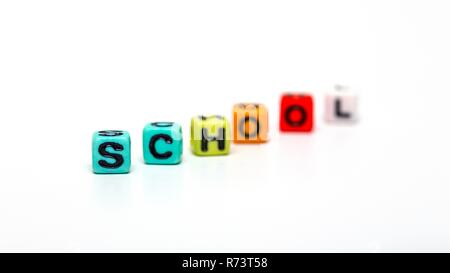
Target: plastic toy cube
<point>111,152</point>
<point>341,106</point>
<point>162,143</point>
<point>210,136</point>
<point>297,113</point>
<point>250,123</point>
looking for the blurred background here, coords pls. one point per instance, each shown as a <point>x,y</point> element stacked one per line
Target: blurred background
<point>69,68</point>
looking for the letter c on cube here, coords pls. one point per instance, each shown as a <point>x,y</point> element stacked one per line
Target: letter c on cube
<point>162,143</point>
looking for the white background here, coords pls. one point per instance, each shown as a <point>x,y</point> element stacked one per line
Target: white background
<point>69,68</point>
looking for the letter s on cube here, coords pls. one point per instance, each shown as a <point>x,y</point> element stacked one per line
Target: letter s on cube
<point>111,152</point>
<point>250,123</point>
<point>162,143</point>
<point>210,136</point>
<point>297,113</point>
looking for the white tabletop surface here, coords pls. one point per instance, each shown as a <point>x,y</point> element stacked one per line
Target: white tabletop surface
<point>70,68</point>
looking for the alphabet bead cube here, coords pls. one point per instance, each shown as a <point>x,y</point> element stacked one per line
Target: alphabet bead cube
<point>162,143</point>
<point>111,152</point>
<point>297,113</point>
<point>210,135</point>
<point>250,123</point>
<point>341,106</point>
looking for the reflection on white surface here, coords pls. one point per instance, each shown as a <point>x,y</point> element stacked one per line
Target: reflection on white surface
<point>112,190</point>
<point>162,184</point>
<point>380,185</point>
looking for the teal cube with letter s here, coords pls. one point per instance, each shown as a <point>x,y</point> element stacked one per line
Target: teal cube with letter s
<point>111,152</point>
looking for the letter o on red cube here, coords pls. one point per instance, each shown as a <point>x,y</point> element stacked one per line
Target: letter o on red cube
<point>297,112</point>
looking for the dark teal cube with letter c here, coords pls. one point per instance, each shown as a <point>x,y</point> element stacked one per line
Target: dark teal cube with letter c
<point>162,143</point>
<point>111,152</point>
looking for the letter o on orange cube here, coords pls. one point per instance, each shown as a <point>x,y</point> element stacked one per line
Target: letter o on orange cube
<point>250,123</point>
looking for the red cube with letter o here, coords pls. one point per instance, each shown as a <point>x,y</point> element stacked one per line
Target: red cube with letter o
<point>297,112</point>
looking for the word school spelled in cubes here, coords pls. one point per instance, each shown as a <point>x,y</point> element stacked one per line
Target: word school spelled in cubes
<point>162,142</point>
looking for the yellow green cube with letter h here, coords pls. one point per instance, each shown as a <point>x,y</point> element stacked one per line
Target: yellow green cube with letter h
<point>210,135</point>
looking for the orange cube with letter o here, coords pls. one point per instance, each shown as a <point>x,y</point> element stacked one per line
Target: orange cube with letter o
<point>250,123</point>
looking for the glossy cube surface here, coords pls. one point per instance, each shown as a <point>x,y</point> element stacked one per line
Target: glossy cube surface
<point>162,143</point>
<point>210,135</point>
<point>296,112</point>
<point>111,152</point>
<point>250,123</point>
